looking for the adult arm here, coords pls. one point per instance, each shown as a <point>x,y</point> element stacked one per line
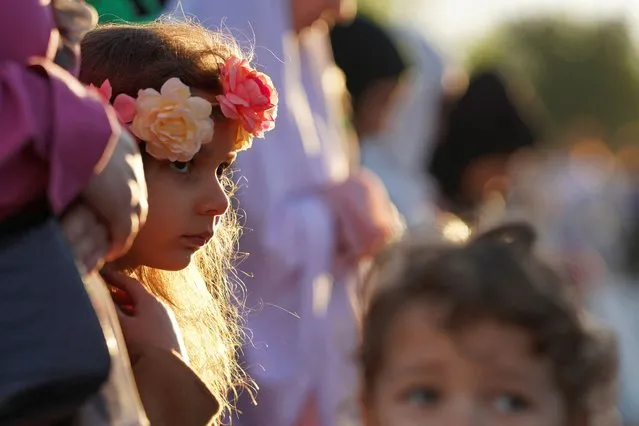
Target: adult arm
<point>55,133</point>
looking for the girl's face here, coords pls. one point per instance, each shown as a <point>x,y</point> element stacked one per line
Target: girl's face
<point>186,203</point>
<point>483,375</point>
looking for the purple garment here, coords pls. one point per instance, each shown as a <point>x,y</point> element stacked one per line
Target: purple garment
<point>54,131</point>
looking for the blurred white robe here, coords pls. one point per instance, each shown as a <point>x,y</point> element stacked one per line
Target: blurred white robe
<point>399,154</point>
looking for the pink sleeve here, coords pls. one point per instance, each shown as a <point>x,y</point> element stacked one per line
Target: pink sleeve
<point>46,112</point>
<point>25,30</point>
<point>53,133</point>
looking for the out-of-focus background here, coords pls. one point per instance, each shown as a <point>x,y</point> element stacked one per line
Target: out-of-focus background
<point>571,67</point>
<point>580,56</point>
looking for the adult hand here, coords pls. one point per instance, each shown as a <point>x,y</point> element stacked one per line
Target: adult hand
<point>366,217</point>
<point>149,322</point>
<point>87,235</point>
<point>118,195</point>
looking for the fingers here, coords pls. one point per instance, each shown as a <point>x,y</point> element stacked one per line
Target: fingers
<point>125,284</point>
<point>142,200</point>
<point>122,233</point>
<point>122,298</point>
<point>87,236</point>
<point>119,195</point>
<point>127,324</point>
<point>128,222</point>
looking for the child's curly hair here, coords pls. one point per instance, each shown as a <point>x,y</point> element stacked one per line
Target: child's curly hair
<point>495,276</point>
<point>204,295</point>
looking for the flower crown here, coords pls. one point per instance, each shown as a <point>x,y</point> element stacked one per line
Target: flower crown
<point>174,124</point>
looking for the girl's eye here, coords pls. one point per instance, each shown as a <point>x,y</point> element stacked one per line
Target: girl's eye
<point>181,167</point>
<point>511,403</point>
<point>221,169</point>
<point>423,396</point>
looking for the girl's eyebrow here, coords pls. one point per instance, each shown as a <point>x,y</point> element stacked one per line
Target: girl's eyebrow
<point>513,374</point>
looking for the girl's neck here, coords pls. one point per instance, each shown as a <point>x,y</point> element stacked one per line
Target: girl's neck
<point>122,264</point>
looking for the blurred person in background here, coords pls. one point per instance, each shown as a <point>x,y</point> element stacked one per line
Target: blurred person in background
<point>593,229</point>
<point>374,70</point>
<point>313,216</point>
<point>389,103</point>
<point>414,124</point>
<point>480,132</point>
<point>583,202</point>
<point>614,292</point>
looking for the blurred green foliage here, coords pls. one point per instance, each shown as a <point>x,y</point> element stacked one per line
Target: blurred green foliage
<point>579,70</point>
<point>378,9</point>
<point>128,10</point>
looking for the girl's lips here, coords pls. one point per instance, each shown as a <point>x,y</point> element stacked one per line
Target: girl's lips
<point>197,241</point>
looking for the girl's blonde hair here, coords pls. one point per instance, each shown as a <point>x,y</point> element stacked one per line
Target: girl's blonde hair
<point>204,295</point>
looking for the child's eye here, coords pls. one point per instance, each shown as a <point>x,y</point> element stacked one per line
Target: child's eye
<point>511,403</point>
<point>221,169</point>
<point>181,167</point>
<point>422,396</point>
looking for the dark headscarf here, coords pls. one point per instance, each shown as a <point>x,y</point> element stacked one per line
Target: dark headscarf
<point>366,53</point>
<point>482,122</point>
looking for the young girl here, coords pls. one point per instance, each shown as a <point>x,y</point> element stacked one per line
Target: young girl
<point>481,334</point>
<point>193,102</point>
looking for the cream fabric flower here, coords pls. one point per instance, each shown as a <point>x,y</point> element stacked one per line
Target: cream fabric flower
<point>173,123</point>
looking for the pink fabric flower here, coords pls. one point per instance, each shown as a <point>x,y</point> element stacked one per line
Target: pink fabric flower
<point>249,97</point>
<point>124,105</point>
<point>105,90</point>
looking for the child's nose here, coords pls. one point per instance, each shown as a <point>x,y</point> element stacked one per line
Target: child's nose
<point>464,411</point>
<point>214,201</point>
